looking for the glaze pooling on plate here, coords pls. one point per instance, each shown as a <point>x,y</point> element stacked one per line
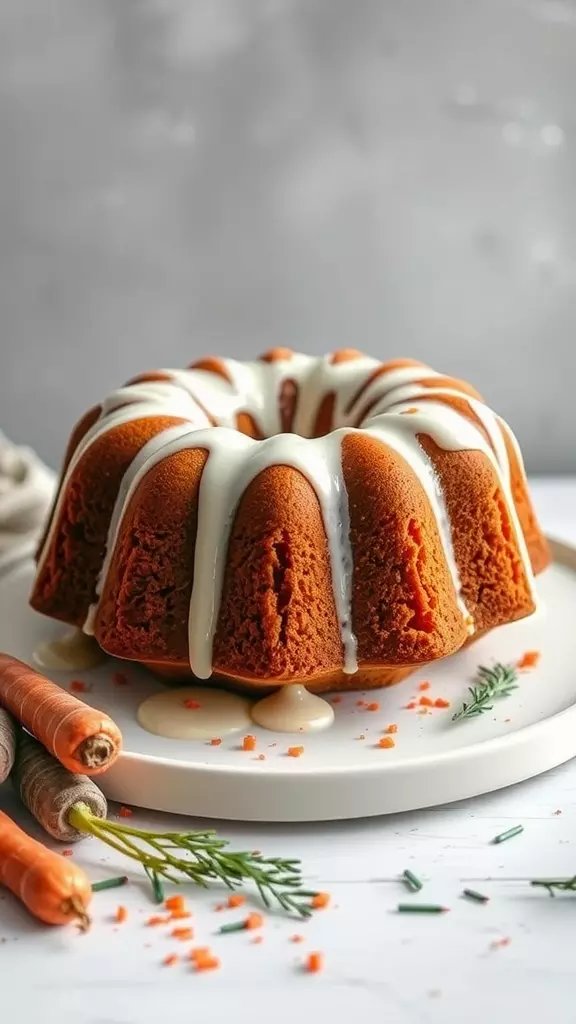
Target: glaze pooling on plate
<point>395,404</point>
<point>293,709</point>
<point>73,652</point>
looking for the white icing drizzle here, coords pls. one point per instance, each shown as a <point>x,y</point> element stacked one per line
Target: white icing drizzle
<point>234,460</point>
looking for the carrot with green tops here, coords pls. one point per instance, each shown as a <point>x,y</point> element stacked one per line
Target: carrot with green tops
<point>7,744</point>
<point>50,791</point>
<point>53,888</point>
<point>82,739</point>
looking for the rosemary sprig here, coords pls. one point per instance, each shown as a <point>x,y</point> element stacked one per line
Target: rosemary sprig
<point>202,858</point>
<point>561,884</point>
<point>492,684</point>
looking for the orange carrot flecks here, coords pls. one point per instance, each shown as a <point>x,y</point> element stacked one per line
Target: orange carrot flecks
<point>180,915</point>
<point>119,679</point>
<point>529,659</point>
<point>175,903</point>
<point>374,706</point>
<point>295,751</point>
<point>441,702</point>
<point>392,728</point>
<point>215,742</point>
<point>125,812</point>
<point>257,940</point>
<point>53,888</point>
<point>170,960</point>
<point>314,963</point>
<point>254,920</point>
<point>207,963</point>
<point>236,900</point>
<point>426,702</point>
<point>84,740</point>
<point>386,743</point>
<point>296,938</point>
<point>158,919</point>
<point>411,705</point>
<point>121,915</point>
<point>424,686</point>
<point>77,686</point>
<point>249,742</point>
<point>184,934</point>
<point>320,901</point>
<point>198,952</point>
<point>192,705</point>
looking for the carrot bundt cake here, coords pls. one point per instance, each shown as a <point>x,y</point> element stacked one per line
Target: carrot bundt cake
<point>334,520</point>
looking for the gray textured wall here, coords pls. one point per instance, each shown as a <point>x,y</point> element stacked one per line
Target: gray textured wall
<point>181,176</point>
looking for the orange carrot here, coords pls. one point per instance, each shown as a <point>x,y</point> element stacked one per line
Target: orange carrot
<point>295,751</point>
<point>424,686</point>
<point>426,702</point>
<point>392,728</point>
<point>215,742</point>
<point>441,702</point>
<point>84,740</point>
<point>374,706</point>
<point>53,888</point>
<point>182,933</point>
<point>254,920</point>
<point>207,963</point>
<point>386,743</point>
<point>121,915</point>
<point>199,952</point>
<point>249,743</point>
<point>236,900</point>
<point>411,704</point>
<point>7,744</point>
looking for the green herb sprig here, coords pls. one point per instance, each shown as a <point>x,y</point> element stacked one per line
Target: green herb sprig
<point>202,858</point>
<point>492,684</point>
<point>560,884</point>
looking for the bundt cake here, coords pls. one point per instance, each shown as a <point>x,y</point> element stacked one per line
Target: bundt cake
<point>333,520</point>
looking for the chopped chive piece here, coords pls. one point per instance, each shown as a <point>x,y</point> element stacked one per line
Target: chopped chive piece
<point>509,834</point>
<point>237,926</point>
<point>157,887</point>
<point>421,908</point>
<point>477,896</point>
<point>110,883</point>
<point>411,880</point>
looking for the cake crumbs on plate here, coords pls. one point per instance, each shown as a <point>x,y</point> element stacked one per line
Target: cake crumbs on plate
<point>336,700</point>
<point>261,757</point>
<point>296,938</point>
<point>500,943</point>
<point>157,919</point>
<point>182,934</point>
<point>257,940</point>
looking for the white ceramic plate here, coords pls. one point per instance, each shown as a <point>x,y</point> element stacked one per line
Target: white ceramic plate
<point>340,776</point>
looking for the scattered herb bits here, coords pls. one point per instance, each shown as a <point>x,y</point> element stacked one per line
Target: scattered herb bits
<point>421,908</point>
<point>476,897</point>
<point>411,880</point>
<point>110,883</point>
<point>509,834</point>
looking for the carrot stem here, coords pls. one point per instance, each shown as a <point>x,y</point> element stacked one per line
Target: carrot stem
<point>204,858</point>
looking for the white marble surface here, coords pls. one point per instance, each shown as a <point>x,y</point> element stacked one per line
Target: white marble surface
<point>435,970</point>
<point>182,176</point>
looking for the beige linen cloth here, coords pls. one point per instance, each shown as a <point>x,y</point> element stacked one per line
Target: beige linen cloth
<point>26,494</point>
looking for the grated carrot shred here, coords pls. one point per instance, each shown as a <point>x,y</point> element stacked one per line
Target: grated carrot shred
<point>424,686</point>
<point>121,915</point>
<point>180,915</point>
<point>314,963</point>
<point>77,686</point>
<point>249,743</point>
<point>157,919</point>
<point>236,900</point>
<point>215,742</point>
<point>296,938</point>
<point>175,903</point>
<point>426,702</point>
<point>441,702</point>
<point>374,706</point>
<point>198,952</point>
<point>386,743</point>
<point>320,901</point>
<point>529,659</point>
<point>171,960</point>
<point>254,920</point>
<point>207,963</point>
<point>411,704</point>
<point>125,812</point>
<point>392,728</point>
<point>295,751</point>
<point>182,933</point>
